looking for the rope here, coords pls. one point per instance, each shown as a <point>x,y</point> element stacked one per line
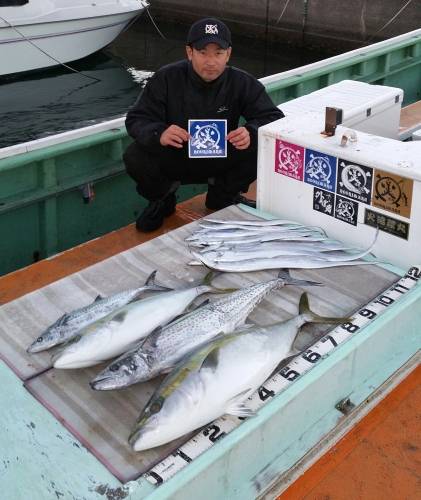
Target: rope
<point>390,21</point>
<point>46,53</point>
<point>153,22</point>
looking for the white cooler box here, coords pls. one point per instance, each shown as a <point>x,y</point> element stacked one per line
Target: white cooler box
<point>371,181</point>
<point>374,109</point>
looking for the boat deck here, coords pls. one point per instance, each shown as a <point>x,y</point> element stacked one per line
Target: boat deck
<point>378,457</point>
<point>410,119</point>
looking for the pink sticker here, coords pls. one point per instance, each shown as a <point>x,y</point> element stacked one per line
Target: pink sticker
<point>289,159</point>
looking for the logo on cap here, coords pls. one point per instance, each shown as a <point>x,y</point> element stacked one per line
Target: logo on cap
<point>211,29</point>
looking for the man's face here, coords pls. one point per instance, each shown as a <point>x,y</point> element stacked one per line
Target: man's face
<point>210,61</point>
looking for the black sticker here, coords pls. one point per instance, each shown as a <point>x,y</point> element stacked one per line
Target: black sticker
<point>346,210</point>
<point>323,201</point>
<point>387,224</point>
<point>354,181</point>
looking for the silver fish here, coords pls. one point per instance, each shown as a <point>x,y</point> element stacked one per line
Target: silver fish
<point>217,379</point>
<point>122,329</point>
<point>165,347</point>
<point>68,325</point>
<point>300,261</point>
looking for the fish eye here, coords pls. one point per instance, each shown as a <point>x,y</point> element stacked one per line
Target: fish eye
<point>133,366</point>
<point>114,367</point>
<point>155,407</point>
<point>39,339</point>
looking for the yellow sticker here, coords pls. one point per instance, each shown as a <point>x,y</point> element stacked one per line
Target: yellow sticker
<point>392,192</point>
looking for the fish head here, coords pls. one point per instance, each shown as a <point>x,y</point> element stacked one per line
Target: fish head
<point>161,421</point>
<point>52,336</point>
<point>124,371</point>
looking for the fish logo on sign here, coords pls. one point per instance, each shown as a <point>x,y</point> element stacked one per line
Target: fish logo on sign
<point>208,138</point>
<point>211,29</point>
<point>320,169</point>
<point>393,193</point>
<point>346,210</point>
<point>289,159</point>
<point>355,181</point>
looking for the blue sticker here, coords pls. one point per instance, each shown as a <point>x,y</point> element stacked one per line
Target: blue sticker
<point>208,138</point>
<point>320,169</point>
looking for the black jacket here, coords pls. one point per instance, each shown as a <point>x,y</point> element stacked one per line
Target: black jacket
<point>175,94</point>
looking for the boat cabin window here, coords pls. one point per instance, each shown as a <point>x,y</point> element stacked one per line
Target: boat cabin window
<point>12,3</point>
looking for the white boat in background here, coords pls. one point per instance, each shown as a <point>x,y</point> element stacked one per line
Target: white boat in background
<point>36,34</point>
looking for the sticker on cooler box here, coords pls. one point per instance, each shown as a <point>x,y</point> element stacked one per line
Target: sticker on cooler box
<point>208,138</point>
<point>387,224</point>
<point>323,201</point>
<point>320,169</point>
<point>289,159</point>
<point>346,210</point>
<point>392,193</point>
<point>354,181</point>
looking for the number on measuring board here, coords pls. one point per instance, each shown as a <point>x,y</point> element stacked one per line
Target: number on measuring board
<point>331,339</point>
<point>288,373</point>
<point>265,394</point>
<point>367,313</point>
<point>414,273</point>
<point>213,432</point>
<point>311,357</point>
<point>350,327</point>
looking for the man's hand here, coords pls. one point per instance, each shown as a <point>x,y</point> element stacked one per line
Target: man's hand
<point>174,136</point>
<point>239,138</point>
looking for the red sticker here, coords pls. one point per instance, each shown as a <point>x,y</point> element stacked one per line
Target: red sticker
<point>289,159</point>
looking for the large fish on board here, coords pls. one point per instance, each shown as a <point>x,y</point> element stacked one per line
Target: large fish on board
<point>217,379</point>
<point>119,331</point>
<point>68,325</point>
<point>165,347</point>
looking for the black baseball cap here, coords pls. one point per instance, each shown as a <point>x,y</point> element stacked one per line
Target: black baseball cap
<point>209,30</point>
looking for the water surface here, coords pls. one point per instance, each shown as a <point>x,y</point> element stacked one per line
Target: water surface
<point>49,101</point>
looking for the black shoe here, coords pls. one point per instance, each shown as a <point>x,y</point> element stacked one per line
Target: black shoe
<point>215,200</point>
<point>245,201</point>
<point>153,215</point>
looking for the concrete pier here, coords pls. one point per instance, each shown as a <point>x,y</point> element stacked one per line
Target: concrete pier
<point>344,24</point>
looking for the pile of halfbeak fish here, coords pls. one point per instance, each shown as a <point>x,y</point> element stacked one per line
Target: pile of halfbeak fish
<point>244,245</point>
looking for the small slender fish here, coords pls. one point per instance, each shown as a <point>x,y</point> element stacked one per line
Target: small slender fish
<point>263,222</point>
<point>68,325</point>
<point>165,347</point>
<point>122,329</point>
<point>217,378</point>
<point>300,261</point>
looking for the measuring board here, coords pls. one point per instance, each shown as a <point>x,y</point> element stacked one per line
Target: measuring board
<point>299,365</point>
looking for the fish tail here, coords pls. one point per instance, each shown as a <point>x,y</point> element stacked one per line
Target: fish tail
<point>289,280</point>
<point>304,309</point>
<point>150,283</point>
<point>207,281</point>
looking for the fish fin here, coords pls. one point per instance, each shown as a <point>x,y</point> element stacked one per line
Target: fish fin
<point>150,280</point>
<point>237,407</point>
<point>119,317</point>
<point>63,319</point>
<point>289,280</point>
<point>191,363</point>
<point>211,360</point>
<point>97,298</point>
<point>304,308</point>
<point>60,349</point>
<point>150,341</point>
<point>150,283</point>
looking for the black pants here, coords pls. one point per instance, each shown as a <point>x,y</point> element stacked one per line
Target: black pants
<point>155,172</point>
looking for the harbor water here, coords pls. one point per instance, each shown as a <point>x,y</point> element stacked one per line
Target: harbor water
<point>46,102</point>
